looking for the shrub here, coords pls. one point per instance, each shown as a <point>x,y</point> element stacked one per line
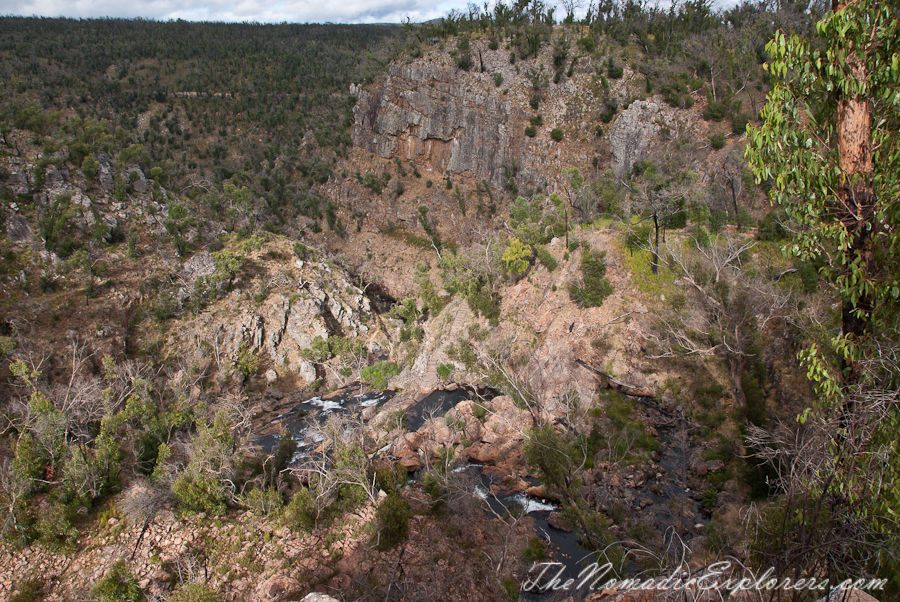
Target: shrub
<point>556,134</point>
<point>717,141</point>
<point>444,371</point>
<point>546,258</point>
<point>614,71</point>
<point>165,307</point>
<point>263,502</point>
<point>27,591</point>
<point>770,227</point>
<point>54,528</point>
<point>300,513</point>
<point>755,411</point>
<point>809,276</point>
<point>379,374</point>
<point>498,79</point>
<point>739,123</point>
<point>195,592</point>
<point>537,120</point>
<point>392,522</point>
<point>594,287</point>
<point>390,478</point>
<point>535,550</point>
<point>702,237</point>
<point>637,237</point>
<point>588,44</point>
<point>609,111</point>
<point>530,131</point>
<point>302,251</point>
<point>677,94</point>
<point>119,585</point>
<point>247,363</point>
<point>199,493</point>
<point>517,257</point>
<point>699,214</point>
<point>715,111</point>
<point>717,220</point>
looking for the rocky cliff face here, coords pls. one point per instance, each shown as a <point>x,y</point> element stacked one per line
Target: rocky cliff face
<point>308,299</point>
<point>427,114</point>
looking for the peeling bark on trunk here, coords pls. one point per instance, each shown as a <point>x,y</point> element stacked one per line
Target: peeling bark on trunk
<point>856,199</point>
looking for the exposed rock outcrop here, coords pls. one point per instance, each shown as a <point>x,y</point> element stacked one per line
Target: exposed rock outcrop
<point>633,134</point>
<point>426,114</point>
<point>17,228</point>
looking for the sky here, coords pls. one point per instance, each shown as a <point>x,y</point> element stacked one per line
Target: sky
<point>260,11</point>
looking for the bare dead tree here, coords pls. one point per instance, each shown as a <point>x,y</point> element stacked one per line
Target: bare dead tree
<point>730,305</point>
<point>834,474</point>
<point>341,461</point>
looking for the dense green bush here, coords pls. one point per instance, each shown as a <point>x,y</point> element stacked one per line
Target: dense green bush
<point>614,70</point>
<point>199,493</point>
<point>609,111</point>
<point>302,251</point>
<point>530,131</point>
<point>27,591</point>
<point>378,375</point>
<point>263,502</point>
<point>808,274</point>
<point>392,522</point>
<point>717,220</point>
<point>715,110</point>
<point>545,257</point>
<point>119,585</point>
<point>594,287</point>
<point>556,134</point>
<point>752,382</point>
<point>444,371</point>
<point>54,528</point>
<point>717,141</point>
<point>637,237</point>
<point>300,513</point>
<point>771,228</point>
<point>390,478</point>
<point>677,94</point>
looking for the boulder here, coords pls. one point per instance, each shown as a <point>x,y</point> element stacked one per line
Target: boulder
<point>277,588</point>
<point>314,597</point>
<point>17,228</point>
<point>715,465</point>
<point>557,521</point>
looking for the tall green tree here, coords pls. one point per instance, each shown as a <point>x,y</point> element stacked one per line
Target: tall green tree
<point>829,146</point>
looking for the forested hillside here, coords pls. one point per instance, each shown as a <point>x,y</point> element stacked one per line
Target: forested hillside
<point>265,107</point>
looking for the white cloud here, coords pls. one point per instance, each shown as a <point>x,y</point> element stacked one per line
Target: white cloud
<point>262,11</point>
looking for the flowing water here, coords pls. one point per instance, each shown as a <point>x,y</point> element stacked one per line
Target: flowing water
<point>303,421</point>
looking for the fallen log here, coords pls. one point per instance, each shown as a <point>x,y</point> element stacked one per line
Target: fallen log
<point>618,385</point>
<point>642,393</point>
